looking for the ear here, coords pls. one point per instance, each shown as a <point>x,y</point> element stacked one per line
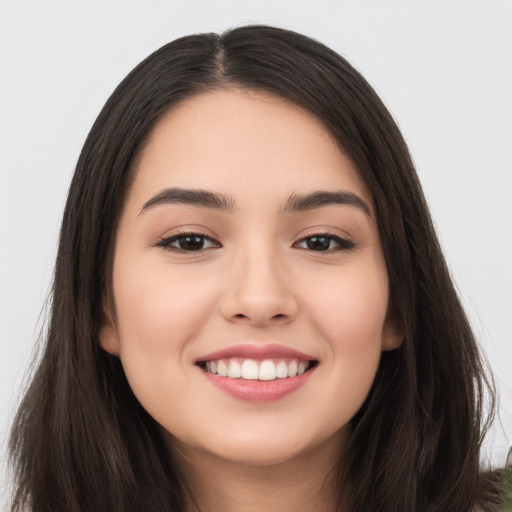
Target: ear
<point>109,334</point>
<point>393,332</point>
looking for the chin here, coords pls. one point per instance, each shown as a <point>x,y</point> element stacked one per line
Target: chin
<point>263,454</point>
<point>261,447</point>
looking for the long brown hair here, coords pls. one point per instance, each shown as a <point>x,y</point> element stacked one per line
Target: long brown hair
<point>82,442</point>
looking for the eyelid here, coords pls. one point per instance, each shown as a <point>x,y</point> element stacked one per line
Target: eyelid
<point>185,230</point>
<point>166,241</point>
<point>343,244</point>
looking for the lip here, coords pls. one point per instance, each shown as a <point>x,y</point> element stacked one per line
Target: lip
<point>257,390</point>
<point>257,352</point>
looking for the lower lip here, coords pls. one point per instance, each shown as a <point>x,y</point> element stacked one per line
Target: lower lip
<point>258,390</point>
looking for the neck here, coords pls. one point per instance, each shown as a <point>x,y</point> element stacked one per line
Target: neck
<point>306,483</point>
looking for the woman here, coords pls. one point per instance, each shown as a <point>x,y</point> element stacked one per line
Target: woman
<point>250,309</point>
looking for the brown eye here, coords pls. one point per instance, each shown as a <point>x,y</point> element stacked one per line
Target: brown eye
<point>318,243</point>
<point>324,243</point>
<point>188,242</point>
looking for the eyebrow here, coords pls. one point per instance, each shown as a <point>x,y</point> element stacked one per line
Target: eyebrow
<point>304,202</point>
<point>195,197</point>
<point>295,203</point>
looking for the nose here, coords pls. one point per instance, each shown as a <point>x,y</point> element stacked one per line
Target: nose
<point>258,292</point>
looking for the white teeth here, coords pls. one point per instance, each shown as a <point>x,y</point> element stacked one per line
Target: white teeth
<point>234,369</point>
<point>267,370</point>
<point>292,368</point>
<point>281,370</point>
<point>250,369</point>
<point>222,370</point>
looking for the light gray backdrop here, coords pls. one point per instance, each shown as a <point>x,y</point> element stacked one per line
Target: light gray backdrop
<point>443,67</point>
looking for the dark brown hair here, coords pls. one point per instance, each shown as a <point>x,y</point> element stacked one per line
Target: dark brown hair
<point>82,442</point>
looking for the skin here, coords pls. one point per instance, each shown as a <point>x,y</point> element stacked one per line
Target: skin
<point>256,282</point>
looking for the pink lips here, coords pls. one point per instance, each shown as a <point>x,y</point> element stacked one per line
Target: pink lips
<point>258,352</point>
<point>257,390</point>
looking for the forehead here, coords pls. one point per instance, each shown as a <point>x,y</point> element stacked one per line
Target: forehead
<point>243,141</point>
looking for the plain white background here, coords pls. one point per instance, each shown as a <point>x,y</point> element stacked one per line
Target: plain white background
<point>443,67</point>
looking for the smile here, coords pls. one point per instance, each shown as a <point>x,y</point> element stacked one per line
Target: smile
<point>257,373</point>
<point>251,369</point>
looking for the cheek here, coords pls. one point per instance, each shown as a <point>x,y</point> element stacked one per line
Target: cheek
<point>351,318</point>
<point>157,316</point>
<point>159,313</point>
<point>351,309</point>
<point>158,308</point>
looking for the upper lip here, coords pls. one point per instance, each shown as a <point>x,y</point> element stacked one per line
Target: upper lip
<point>258,352</point>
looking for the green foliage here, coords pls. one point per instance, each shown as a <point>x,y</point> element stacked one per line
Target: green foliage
<point>508,496</point>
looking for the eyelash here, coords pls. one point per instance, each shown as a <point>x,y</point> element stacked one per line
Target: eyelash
<point>343,243</point>
<point>166,243</point>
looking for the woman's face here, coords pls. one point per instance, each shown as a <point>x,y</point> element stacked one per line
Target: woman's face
<point>250,290</point>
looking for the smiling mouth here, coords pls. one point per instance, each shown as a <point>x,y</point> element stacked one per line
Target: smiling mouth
<point>257,370</point>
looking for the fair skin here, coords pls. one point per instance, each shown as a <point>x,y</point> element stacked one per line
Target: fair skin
<point>259,270</point>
